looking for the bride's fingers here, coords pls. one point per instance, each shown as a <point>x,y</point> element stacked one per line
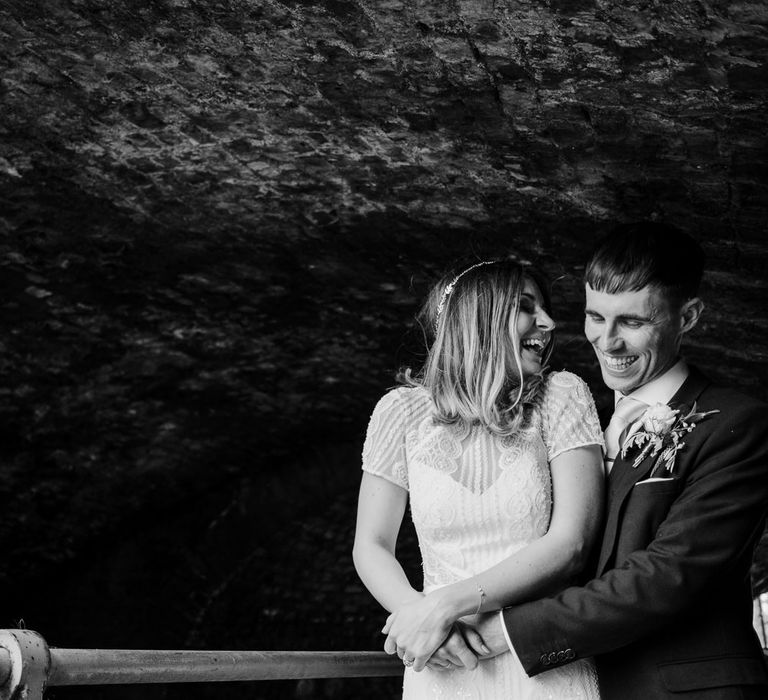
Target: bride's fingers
<point>389,645</point>
<point>457,646</point>
<point>388,624</point>
<point>420,662</point>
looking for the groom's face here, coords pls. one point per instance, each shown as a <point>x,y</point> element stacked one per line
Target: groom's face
<point>636,335</point>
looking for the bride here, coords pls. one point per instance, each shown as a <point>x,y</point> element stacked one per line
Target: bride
<point>502,465</point>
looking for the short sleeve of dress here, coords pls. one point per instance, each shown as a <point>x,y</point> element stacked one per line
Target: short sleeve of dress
<point>569,417</point>
<point>384,447</point>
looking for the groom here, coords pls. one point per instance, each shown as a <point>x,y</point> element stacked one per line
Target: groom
<point>669,611</point>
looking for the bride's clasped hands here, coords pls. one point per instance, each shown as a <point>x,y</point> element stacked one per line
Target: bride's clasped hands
<point>427,631</point>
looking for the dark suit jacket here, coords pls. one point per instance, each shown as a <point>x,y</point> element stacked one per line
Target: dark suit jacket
<point>669,613</point>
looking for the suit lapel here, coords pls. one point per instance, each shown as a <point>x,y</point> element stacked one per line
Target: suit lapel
<point>624,476</point>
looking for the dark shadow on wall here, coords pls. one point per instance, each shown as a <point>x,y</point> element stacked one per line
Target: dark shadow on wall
<point>217,220</point>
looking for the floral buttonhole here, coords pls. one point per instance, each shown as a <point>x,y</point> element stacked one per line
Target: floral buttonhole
<point>661,435</point>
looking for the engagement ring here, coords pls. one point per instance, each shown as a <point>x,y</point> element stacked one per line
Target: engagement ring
<point>407,662</point>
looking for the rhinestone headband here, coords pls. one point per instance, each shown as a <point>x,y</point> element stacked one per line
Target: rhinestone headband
<point>449,287</point>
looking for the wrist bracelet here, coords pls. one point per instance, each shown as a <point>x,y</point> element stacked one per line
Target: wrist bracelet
<point>481,597</point>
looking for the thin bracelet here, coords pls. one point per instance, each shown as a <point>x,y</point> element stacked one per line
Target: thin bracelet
<point>481,597</point>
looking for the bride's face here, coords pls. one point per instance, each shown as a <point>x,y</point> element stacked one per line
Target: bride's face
<point>533,329</point>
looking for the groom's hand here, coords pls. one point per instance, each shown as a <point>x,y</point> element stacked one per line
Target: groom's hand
<point>471,642</point>
<point>490,627</point>
<point>459,650</point>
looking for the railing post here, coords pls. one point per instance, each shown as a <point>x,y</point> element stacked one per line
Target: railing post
<point>25,669</point>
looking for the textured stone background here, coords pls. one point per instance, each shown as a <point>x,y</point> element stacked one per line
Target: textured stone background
<point>216,221</point>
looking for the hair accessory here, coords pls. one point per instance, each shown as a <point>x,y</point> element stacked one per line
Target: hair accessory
<point>449,287</point>
<point>481,597</point>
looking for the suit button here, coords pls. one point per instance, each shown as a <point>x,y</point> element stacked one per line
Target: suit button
<point>544,660</point>
<point>570,654</point>
<point>561,656</point>
<point>553,658</point>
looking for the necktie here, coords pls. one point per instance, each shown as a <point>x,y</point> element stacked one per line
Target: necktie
<point>627,411</point>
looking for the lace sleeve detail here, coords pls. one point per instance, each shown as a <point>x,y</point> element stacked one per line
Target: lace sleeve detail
<point>384,448</point>
<point>569,417</point>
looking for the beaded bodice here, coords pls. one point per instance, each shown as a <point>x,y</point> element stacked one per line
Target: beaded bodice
<point>477,498</point>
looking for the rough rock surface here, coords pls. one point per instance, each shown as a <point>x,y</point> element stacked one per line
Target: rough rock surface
<point>217,219</point>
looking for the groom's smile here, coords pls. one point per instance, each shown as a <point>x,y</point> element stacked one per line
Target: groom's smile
<point>618,363</point>
<point>635,335</point>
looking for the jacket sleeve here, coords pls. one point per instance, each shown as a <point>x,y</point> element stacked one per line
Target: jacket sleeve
<point>712,524</point>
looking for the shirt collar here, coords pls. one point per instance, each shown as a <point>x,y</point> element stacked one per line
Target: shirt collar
<point>661,389</point>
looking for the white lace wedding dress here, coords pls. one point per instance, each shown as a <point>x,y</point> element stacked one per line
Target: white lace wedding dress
<point>476,499</point>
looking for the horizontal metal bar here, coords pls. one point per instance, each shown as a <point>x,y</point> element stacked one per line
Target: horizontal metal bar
<point>115,666</point>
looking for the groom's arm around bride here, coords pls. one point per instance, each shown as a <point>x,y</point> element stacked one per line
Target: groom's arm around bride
<point>668,614</point>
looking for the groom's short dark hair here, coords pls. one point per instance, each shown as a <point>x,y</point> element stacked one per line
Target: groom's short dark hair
<point>634,256</point>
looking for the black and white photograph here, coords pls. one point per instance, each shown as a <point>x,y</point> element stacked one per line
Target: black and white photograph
<point>383,349</point>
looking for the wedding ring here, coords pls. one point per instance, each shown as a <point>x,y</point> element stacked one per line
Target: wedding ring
<point>407,662</point>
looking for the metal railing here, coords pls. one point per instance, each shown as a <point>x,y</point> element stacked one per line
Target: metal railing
<point>28,666</point>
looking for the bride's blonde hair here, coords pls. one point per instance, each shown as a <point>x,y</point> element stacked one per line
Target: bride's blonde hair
<point>473,370</point>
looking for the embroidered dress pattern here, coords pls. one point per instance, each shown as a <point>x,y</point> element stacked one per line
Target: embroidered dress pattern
<point>476,499</point>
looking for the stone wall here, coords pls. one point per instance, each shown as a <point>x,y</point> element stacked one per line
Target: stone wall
<point>217,219</point>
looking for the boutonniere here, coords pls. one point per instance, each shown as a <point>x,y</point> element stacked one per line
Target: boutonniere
<point>662,434</point>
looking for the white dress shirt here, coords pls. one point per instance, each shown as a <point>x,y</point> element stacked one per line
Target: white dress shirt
<point>661,389</point>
